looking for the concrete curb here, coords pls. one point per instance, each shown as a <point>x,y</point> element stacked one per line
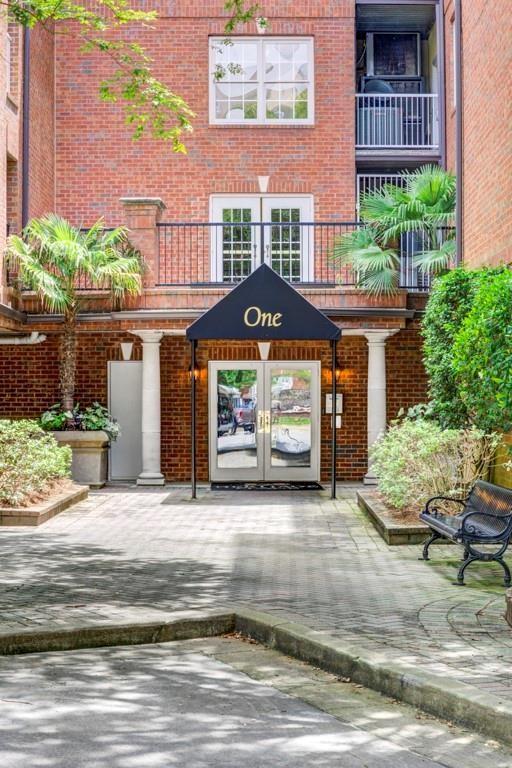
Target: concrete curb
<point>440,696</point>
<point>108,635</point>
<point>40,513</point>
<point>393,532</point>
<point>449,699</point>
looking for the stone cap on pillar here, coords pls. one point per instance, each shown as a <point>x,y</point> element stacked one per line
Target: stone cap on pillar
<point>142,212</point>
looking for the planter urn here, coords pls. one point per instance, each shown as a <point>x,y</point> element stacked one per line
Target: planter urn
<point>89,463</point>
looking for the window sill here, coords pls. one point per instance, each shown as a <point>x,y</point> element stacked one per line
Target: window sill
<point>261,125</point>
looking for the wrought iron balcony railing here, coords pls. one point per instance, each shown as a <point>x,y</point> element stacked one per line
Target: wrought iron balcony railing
<point>397,121</point>
<point>223,254</point>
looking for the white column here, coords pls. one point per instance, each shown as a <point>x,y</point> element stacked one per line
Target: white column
<point>151,474</point>
<point>376,391</point>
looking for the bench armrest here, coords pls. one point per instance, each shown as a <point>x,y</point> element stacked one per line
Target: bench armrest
<point>434,510</point>
<point>471,530</point>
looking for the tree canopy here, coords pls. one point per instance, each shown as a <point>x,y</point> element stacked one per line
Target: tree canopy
<point>150,106</point>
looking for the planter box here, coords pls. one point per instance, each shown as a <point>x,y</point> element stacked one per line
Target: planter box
<point>508,610</point>
<point>40,513</point>
<point>392,531</point>
<point>89,465</point>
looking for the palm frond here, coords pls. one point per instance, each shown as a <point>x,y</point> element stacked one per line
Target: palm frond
<point>377,283</point>
<point>436,260</point>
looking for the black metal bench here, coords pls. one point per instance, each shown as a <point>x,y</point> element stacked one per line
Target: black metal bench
<point>485,518</point>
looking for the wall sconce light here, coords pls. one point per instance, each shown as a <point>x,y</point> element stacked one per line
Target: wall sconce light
<point>263,183</point>
<point>264,349</point>
<point>126,350</point>
<point>339,375</point>
<point>195,372</point>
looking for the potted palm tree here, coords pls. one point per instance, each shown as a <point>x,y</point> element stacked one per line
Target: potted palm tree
<point>54,259</point>
<point>422,206</point>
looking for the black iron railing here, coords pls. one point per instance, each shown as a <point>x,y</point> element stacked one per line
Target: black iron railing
<point>224,253</point>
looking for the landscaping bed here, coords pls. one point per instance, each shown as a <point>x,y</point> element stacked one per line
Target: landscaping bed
<point>394,531</point>
<point>63,497</point>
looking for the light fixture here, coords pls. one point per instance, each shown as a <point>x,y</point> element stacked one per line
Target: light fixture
<point>126,350</point>
<point>264,349</point>
<point>263,183</point>
<point>196,373</point>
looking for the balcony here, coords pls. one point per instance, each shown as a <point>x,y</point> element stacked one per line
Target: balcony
<point>398,121</point>
<point>219,255</point>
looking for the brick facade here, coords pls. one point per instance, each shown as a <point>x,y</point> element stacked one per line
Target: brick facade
<point>35,371</point>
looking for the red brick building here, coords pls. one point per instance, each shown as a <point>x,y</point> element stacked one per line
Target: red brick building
<point>331,100</point>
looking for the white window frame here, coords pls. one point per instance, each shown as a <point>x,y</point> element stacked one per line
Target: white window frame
<point>261,201</point>
<point>262,119</point>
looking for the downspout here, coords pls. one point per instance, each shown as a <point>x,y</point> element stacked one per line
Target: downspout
<point>26,129</point>
<point>459,134</point>
<point>34,338</point>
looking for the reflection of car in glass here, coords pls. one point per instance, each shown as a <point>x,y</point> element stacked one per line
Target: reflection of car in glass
<point>245,415</point>
<point>226,422</point>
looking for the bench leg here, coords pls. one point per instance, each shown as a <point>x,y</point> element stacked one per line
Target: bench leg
<point>433,537</point>
<point>467,561</point>
<point>507,581</point>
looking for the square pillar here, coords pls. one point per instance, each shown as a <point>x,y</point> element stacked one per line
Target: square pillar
<point>141,215</point>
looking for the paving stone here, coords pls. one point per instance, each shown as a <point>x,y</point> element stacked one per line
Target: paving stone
<point>129,554</point>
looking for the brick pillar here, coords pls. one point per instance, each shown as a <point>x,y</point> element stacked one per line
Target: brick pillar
<point>141,215</point>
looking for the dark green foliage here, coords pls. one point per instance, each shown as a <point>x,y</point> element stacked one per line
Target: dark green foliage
<point>482,354</point>
<point>450,301</point>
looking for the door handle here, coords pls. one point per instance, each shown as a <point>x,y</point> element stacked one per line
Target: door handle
<point>267,421</point>
<point>261,420</point>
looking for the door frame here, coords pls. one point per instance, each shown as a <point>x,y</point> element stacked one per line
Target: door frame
<point>264,470</point>
<point>258,201</point>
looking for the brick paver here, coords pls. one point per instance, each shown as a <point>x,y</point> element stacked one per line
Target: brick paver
<point>129,553</point>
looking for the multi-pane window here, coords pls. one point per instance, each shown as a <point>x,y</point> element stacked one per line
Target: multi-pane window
<point>286,244</point>
<point>237,244</point>
<point>261,80</point>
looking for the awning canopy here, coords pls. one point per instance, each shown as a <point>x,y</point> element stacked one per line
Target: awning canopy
<point>264,307</point>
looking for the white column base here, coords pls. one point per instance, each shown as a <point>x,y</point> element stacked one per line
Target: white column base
<point>370,479</point>
<point>150,478</point>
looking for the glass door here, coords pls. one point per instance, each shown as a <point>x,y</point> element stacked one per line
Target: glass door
<point>292,393</point>
<point>234,238</point>
<point>264,421</point>
<point>236,421</point>
<point>289,245</point>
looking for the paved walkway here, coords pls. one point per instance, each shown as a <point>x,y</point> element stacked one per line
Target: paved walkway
<point>217,703</point>
<point>130,554</point>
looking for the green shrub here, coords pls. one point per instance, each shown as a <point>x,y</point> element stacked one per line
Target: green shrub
<point>450,301</point>
<point>29,460</point>
<point>416,459</point>
<point>482,354</point>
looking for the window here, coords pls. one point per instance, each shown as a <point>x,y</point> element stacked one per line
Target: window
<point>266,81</point>
<point>249,230</point>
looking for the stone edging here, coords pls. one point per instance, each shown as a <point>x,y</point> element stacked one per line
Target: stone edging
<point>445,698</point>
<point>391,531</point>
<point>40,513</point>
<point>508,603</point>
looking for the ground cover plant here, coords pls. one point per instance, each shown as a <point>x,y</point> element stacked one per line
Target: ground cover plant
<point>31,461</point>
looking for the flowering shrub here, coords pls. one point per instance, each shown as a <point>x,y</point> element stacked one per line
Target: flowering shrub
<point>29,460</point>
<point>416,459</point>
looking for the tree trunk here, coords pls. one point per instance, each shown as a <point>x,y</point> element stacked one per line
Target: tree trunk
<point>68,364</point>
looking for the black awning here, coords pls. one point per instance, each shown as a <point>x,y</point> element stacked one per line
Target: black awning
<point>263,307</point>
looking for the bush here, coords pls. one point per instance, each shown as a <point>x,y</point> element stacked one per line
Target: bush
<point>482,355</point>
<point>29,460</point>
<point>417,459</point>
<point>451,300</point>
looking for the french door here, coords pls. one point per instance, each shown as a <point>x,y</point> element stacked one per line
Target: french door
<point>264,420</point>
<point>247,231</point>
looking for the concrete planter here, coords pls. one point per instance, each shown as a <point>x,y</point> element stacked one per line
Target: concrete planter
<point>392,531</point>
<point>89,465</point>
<point>508,608</point>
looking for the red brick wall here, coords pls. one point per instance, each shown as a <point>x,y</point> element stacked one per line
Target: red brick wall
<point>487,67</point>
<point>95,152</point>
<point>29,384</point>
<point>42,123</point>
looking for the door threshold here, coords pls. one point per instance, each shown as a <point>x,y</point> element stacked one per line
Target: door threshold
<point>267,486</point>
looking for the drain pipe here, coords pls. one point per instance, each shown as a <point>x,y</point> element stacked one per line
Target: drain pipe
<point>459,134</point>
<point>34,338</point>
<point>25,152</point>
